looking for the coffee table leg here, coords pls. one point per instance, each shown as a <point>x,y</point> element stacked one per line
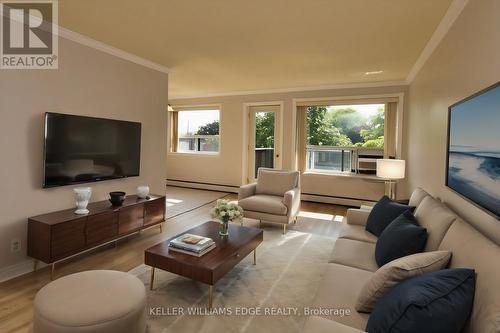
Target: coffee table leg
<point>152,278</point>
<point>255,257</point>
<point>210,296</point>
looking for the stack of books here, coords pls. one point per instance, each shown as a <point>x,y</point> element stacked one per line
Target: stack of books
<point>192,244</point>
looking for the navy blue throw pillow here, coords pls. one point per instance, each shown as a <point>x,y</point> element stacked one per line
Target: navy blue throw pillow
<point>402,237</point>
<point>383,213</point>
<point>435,302</point>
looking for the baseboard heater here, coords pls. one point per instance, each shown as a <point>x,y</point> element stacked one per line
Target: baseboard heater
<point>313,197</point>
<point>203,186</point>
<point>336,200</point>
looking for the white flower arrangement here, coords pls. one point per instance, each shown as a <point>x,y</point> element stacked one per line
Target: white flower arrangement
<point>227,211</point>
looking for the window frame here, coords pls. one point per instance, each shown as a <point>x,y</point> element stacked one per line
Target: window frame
<point>173,134</point>
<point>299,159</point>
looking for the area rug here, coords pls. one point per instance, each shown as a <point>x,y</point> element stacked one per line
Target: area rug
<point>268,297</point>
<point>181,200</point>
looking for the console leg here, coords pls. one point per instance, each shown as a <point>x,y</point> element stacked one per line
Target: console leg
<point>152,278</point>
<point>52,268</point>
<point>210,296</point>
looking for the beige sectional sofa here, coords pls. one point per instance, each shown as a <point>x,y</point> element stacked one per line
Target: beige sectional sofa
<point>352,264</point>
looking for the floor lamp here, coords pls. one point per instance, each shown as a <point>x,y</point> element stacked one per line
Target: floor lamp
<point>391,170</point>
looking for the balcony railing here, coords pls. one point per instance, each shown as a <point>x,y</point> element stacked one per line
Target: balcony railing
<point>199,143</point>
<point>264,158</point>
<point>342,159</point>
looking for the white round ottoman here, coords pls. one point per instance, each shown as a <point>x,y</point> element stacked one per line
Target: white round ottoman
<point>91,302</point>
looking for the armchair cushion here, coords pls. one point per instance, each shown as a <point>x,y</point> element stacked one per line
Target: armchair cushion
<point>246,191</point>
<point>270,204</point>
<point>274,182</point>
<point>292,200</point>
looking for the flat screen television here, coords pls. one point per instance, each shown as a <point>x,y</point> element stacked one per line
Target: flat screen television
<point>473,164</point>
<point>81,149</point>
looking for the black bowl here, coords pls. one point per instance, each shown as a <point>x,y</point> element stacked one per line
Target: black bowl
<point>117,198</point>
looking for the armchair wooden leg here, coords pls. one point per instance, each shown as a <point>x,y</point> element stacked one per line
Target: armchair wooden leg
<point>284,228</point>
<point>260,224</point>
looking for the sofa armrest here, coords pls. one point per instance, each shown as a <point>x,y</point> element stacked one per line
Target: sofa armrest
<point>357,216</point>
<point>292,201</point>
<point>246,191</point>
<point>316,324</point>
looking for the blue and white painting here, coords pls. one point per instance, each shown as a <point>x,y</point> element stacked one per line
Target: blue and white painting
<point>474,152</point>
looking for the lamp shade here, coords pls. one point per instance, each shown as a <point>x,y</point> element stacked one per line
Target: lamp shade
<point>390,169</point>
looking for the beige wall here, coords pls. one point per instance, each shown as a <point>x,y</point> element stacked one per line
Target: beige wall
<point>467,60</point>
<point>88,82</point>
<point>226,168</point>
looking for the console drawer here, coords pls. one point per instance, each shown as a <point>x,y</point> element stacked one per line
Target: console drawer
<point>67,238</point>
<point>102,227</point>
<point>130,219</point>
<point>154,211</point>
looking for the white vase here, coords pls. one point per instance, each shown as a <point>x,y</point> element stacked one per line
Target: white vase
<point>82,199</point>
<point>143,191</point>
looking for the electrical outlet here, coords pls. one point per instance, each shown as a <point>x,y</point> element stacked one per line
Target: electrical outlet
<point>15,245</point>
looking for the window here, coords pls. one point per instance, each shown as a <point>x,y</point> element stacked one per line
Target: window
<point>345,137</point>
<point>195,131</point>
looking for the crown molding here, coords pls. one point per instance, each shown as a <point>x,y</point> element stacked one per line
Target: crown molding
<point>100,46</point>
<point>297,89</point>
<point>456,7</point>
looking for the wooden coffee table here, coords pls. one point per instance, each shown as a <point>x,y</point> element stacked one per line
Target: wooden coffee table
<point>211,267</point>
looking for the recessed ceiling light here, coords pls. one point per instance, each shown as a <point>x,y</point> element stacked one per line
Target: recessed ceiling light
<point>373,72</point>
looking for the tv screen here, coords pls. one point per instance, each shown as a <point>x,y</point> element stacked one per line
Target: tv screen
<point>84,149</point>
<point>474,149</point>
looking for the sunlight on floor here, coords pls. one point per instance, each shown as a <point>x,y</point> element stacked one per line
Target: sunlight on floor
<point>174,201</point>
<point>317,216</point>
<point>338,218</point>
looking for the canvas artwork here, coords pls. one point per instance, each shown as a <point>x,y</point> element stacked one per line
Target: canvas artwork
<point>474,149</point>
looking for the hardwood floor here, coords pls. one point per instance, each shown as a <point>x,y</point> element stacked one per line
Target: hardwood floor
<point>16,295</point>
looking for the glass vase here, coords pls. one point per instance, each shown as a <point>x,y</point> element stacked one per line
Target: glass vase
<point>224,228</point>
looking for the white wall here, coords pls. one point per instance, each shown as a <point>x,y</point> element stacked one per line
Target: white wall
<point>88,82</point>
<point>466,61</point>
<point>227,168</point>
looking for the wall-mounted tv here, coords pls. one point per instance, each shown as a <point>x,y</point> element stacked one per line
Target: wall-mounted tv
<point>473,168</point>
<point>81,149</point>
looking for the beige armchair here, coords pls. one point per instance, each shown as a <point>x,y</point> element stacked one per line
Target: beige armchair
<point>274,198</point>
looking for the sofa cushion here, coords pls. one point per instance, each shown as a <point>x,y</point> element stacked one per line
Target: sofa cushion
<point>401,238</point>
<point>315,324</point>
<point>433,302</point>
<point>338,290</point>
<point>356,232</point>
<point>436,218</point>
<point>396,271</point>
<point>264,203</point>
<point>417,196</point>
<point>472,249</point>
<point>354,253</point>
<point>383,213</point>
<point>276,182</point>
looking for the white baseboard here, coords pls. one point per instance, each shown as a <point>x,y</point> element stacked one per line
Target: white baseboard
<point>305,197</point>
<point>336,200</point>
<point>203,186</point>
<point>13,271</point>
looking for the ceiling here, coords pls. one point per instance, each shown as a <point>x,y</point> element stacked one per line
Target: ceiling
<point>223,46</point>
